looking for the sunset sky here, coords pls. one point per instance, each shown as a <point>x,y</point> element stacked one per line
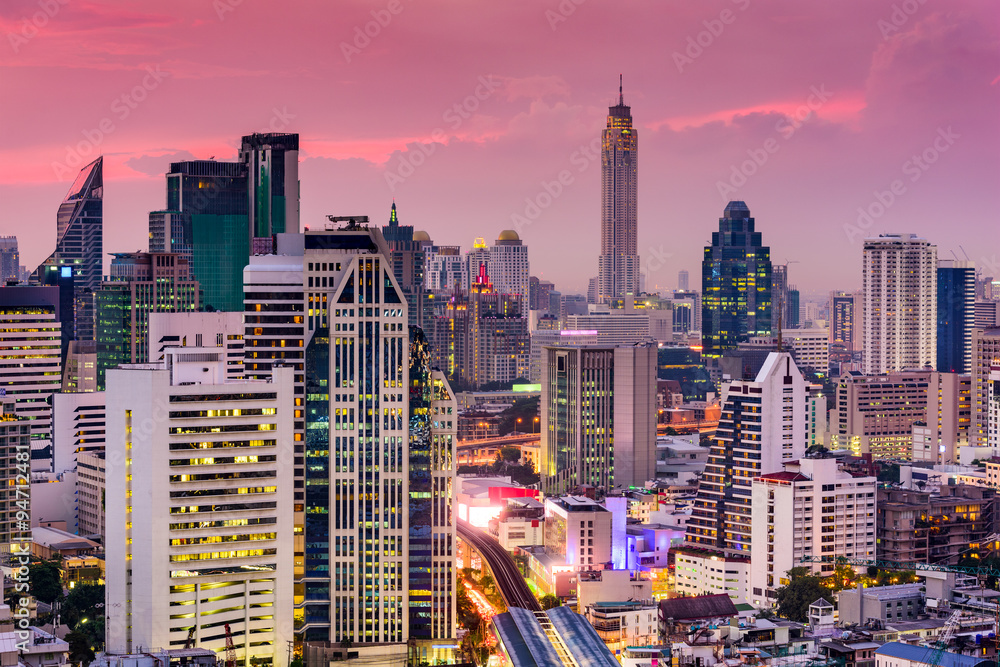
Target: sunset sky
<point>466,112</point>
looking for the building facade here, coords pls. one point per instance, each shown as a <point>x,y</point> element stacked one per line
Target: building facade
<point>508,266</point>
<point>899,284</point>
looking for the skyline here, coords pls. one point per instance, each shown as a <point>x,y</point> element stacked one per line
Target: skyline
<point>884,85</point>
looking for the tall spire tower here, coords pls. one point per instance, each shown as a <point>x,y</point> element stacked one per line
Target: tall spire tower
<point>618,265</point>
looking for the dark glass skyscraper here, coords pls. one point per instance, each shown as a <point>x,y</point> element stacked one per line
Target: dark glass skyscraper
<point>736,283</point>
<point>272,162</point>
<point>956,304</point>
<point>210,200</point>
<point>80,243</point>
<point>618,265</point>
<point>408,260</point>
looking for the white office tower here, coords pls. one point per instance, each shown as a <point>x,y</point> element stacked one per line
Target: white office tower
<point>219,328</point>
<point>328,304</point>
<point>810,508</point>
<point>199,517</point>
<point>899,286</point>
<point>78,425</point>
<point>508,267</point>
<point>762,427</point>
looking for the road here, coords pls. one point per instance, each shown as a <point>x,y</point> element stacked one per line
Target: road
<point>513,588</point>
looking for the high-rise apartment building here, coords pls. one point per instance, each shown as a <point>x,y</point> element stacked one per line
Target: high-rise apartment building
<point>618,264</point>
<point>198,517</point>
<point>899,284</point>
<point>508,266</point>
<point>763,426</point>
<point>272,167</point>
<point>598,416</point>
<point>30,361</point>
<point>956,313</point>
<point>985,355</point>
<point>80,244</point>
<point>810,508</point>
<point>736,283</point>
<point>444,268</point>
<point>170,231</point>
<point>209,199</point>
<point>10,260</point>
<point>140,283</point>
<point>683,280</point>
<point>476,260</point>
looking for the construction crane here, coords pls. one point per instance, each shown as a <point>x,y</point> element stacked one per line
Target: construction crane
<point>944,638</point>
<point>230,649</point>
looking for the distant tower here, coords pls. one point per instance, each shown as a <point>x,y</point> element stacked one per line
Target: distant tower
<point>899,282</point>
<point>272,162</point>
<point>80,243</point>
<point>736,283</point>
<point>683,280</point>
<point>618,265</point>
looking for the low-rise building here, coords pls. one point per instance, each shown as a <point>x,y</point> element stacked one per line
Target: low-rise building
<point>811,508</point>
<point>896,654</point>
<point>706,572</point>
<point>578,532</point>
<point>885,604</point>
<point>610,585</point>
<point>521,523</point>
<point>623,624</point>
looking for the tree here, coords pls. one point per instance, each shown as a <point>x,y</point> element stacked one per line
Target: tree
<point>468,615</point>
<point>802,590</point>
<point>549,601</point>
<point>510,454</point>
<point>82,603</point>
<point>45,579</point>
<point>80,652</point>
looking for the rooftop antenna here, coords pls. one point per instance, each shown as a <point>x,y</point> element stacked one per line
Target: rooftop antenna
<point>621,98</point>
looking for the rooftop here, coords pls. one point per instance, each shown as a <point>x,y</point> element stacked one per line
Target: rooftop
<point>698,608</point>
<point>922,654</point>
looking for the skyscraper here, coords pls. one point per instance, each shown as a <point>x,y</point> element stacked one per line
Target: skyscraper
<point>409,255</point>
<point>10,260</point>
<point>845,318</point>
<point>763,426</point>
<point>736,283</point>
<point>899,282</point>
<point>618,265</point>
<point>141,283</point>
<point>272,162</point>
<point>210,200</point>
<point>508,267</point>
<point>432,464</point>
<point>956,312</point>
<point>683,279</point>
<point>598,416</point>
<point>779,298</point>
<point>328,304</point>
<point>80,243</point>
